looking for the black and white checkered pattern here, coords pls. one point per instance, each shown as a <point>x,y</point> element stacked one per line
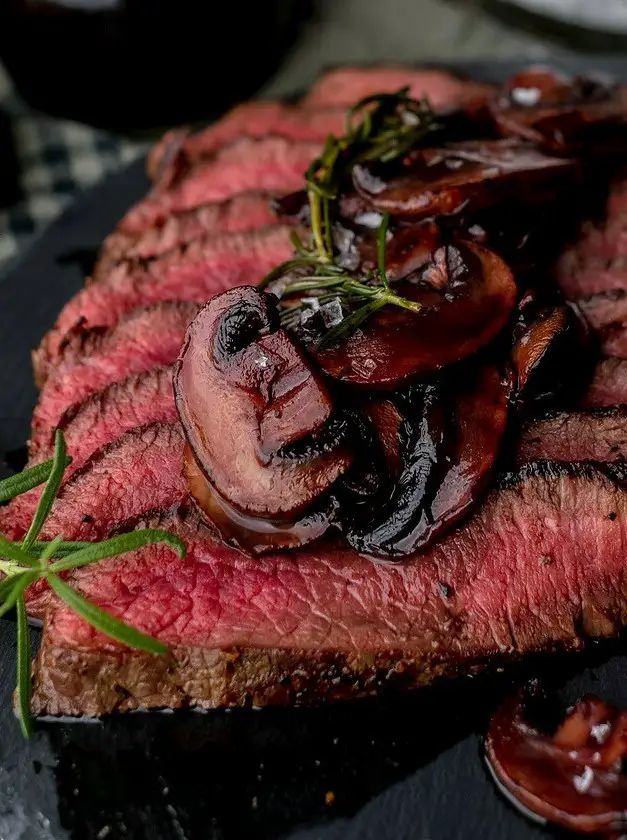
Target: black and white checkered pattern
<point>56,159</point>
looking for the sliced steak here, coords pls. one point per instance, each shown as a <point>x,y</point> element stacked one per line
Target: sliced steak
<point>140,470</point>
<point>609,384</point>
<point>614,340</point>
<point>617,199</point>
<point>252,119</point>
<point>272,164</point>
<point>595,435</point>
<point>147,338</point>
<point>605,309</point>
<point>597,263</point>
<point>195,273</point>
<point>346,85</point>
<point>540,564</point>
<point>247,211</point>
<point>136,401</point>
<point>101,419</point>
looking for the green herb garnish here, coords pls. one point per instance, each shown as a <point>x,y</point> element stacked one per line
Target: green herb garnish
<point>30,560</point>
<point>390,126</point>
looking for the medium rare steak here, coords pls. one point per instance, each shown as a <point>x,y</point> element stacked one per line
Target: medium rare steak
<point>596,263</point>
<point>147,338</point>
<point>195,273</point>
<point>540,564</point>
<point>609,384</point>
<point>272,164</point>
<point>346,85</point>
<point>135,401</point>
<point>605,309</point>
<point>252,119</point>
<point>595,435</point>
<point>140,470</point>
<point>242,212</point>
<point>101,419</point>
<point>614,340</point>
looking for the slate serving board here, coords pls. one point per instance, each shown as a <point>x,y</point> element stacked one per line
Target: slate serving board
<point>391,769</point>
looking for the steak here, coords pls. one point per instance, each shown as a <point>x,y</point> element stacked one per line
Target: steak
<point>125,479</point>
<point>609,384</point>
<point>136,401</point>
<point>272,164</point>
<point>605,309</point>
<point>194,273</point>
<point>344,86</point>
<point>539,565</point>
<point>101,419</point>
<point>242,212</point>
<point>595,435</point>
<point>595,264</point>
<point>614,340</point>
<point>252,119</point>
<point>147,338</point>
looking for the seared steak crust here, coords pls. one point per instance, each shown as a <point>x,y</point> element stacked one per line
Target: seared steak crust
<point>595,435</point>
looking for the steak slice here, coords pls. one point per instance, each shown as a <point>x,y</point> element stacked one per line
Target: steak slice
<point>609,384</point>
<point>605,309</point>
<point>135,401</point>
<point>596,263</point>
<point>252,119</point>
<point>595,435</point>
<point>101,419</point>
<point>148,337</point>
<point>272,164</point>
<point>346,85</point>
<point>195,273</point>
<point>125,479</point>
<point>242,212</point>
<point>540,564</point>
<point>614,340</point>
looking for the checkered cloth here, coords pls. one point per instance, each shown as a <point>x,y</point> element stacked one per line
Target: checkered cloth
<point>57,159</point>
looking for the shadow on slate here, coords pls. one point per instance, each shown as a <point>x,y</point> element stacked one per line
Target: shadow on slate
<point>397,769</point>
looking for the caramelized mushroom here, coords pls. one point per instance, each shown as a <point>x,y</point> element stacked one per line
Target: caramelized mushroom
<point>573,777</point>
<point>473,175</point>
<point>388,530</point>
<point>532,347</point>
<point>446,459</point>
<point>253,534</point>
<point>247,396</point>
<point>563,114</point>
<point>468,295</point>
<point>549,354</point>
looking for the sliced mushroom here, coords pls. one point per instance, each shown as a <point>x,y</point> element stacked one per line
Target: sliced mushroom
<point>549,356</point>
<point>470,176</point>
<point>563,114</point>
<point>468,294</point>
<point>447,455</point>
<point>246,395</point>
<point>573,777</point>
<point>388,530</point>
<point>254,535</point>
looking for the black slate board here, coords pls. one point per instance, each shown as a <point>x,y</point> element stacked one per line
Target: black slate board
<point>399,768</point>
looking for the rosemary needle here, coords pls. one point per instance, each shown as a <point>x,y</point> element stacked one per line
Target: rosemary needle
<point>31,560</point>
<point>380,128</point>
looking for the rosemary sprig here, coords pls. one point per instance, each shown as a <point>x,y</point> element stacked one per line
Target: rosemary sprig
<point>381,128</point>
<point>31,560</point>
